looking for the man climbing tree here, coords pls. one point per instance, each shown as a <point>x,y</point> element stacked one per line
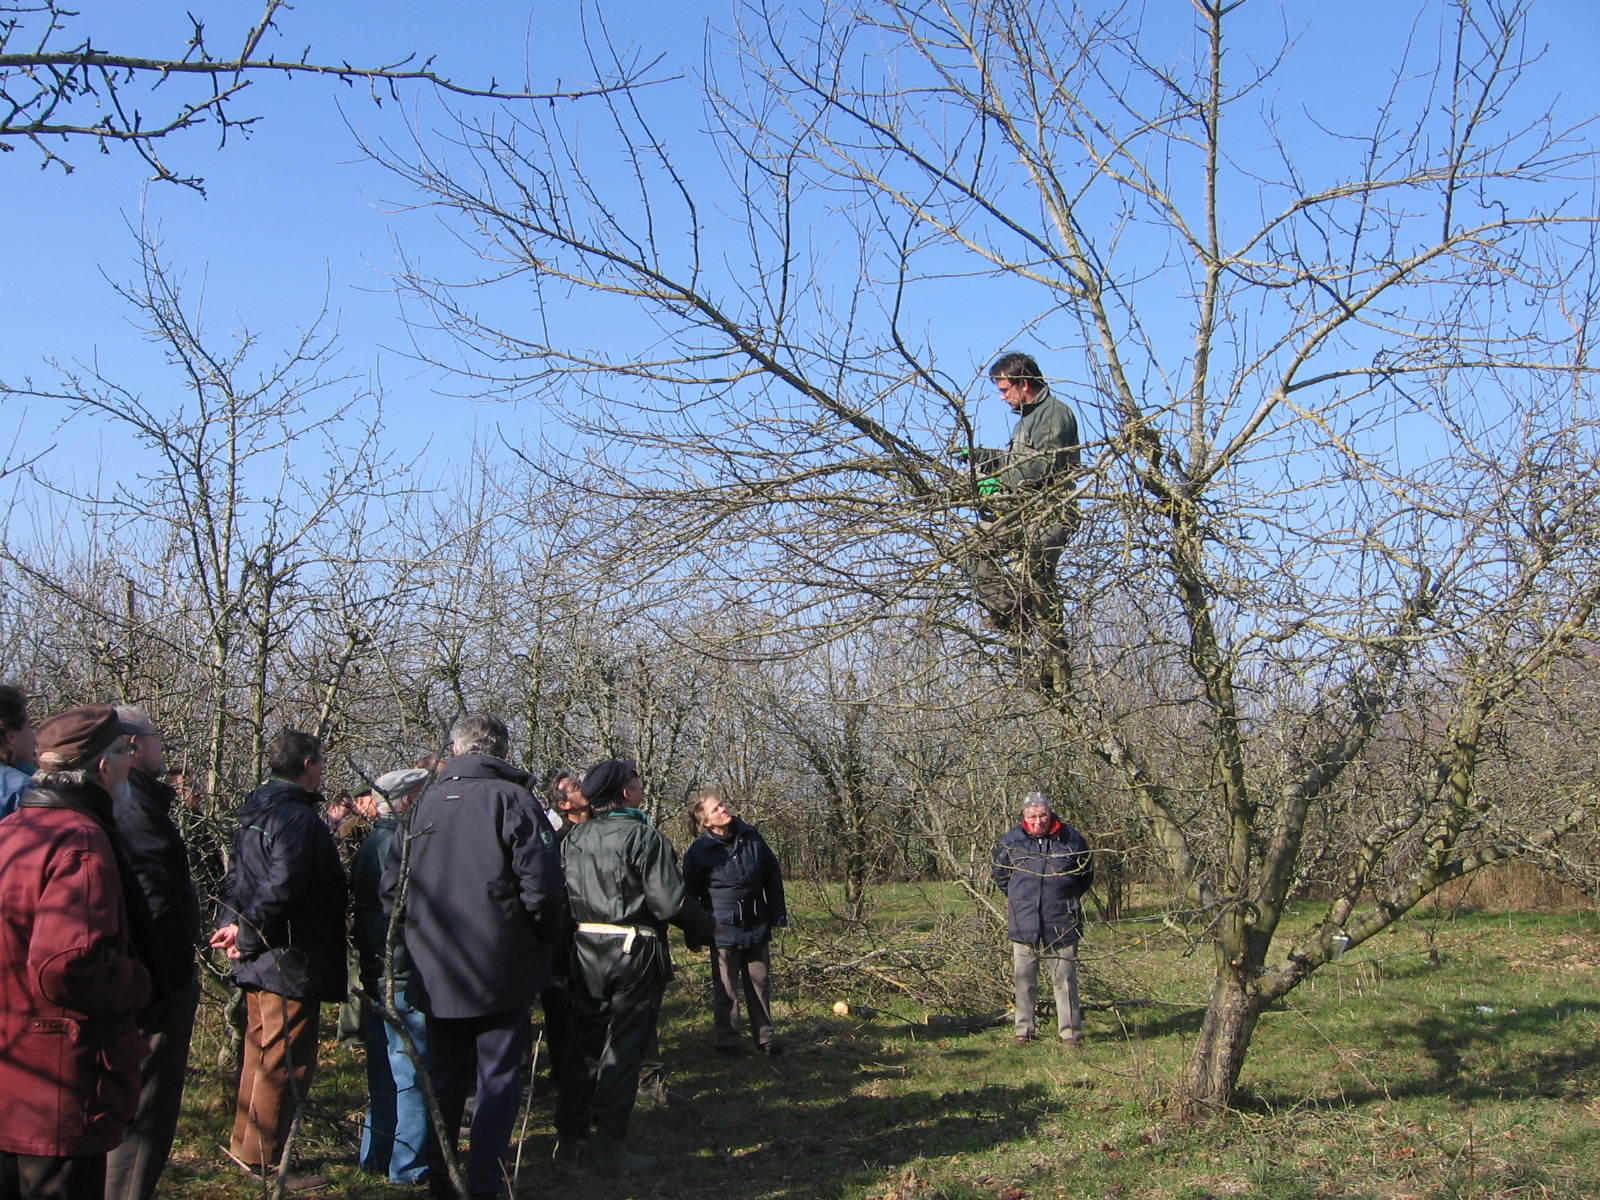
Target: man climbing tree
<point>1030,509</point>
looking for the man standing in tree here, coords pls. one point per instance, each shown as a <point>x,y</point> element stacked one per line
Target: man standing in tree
<point>1014,574</point>
<point>1043,866</point>
<point>624,885</point>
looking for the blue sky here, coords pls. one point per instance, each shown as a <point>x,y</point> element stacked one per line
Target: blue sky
<point>293,218</point>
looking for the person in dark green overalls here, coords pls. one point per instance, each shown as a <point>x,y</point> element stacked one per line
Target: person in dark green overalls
<point>625,889</point>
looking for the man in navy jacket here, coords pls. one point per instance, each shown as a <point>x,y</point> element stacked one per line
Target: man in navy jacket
<point>1043,866</point>
<point>281,914</point>
<point>483,908</point>
<point>734,875</point>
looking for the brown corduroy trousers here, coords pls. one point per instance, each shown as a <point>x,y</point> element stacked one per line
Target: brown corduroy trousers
<point>280,1059</point>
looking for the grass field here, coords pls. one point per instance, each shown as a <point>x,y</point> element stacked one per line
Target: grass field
<point>1455,1058</point>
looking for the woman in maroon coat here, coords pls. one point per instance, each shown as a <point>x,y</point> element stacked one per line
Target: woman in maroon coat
<point>70,978</point>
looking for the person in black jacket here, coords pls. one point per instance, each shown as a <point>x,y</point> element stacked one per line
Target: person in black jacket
<point>483,904</point>
<point>160,861</point>
<point>1043,866</point>
<point>734,875</point>
<point>281,914</point>
<point>394,1133</point>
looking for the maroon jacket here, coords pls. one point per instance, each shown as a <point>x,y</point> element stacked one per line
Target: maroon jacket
<point>69,984</point>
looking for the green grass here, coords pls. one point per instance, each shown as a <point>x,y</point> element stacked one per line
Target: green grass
<point>1472,1073</point>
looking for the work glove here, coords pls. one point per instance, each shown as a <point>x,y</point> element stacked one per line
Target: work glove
<point>961,453</point>
<point>988,487</point>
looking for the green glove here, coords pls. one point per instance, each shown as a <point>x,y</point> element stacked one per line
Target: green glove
<point>961,454</point>
<point>988,487</point>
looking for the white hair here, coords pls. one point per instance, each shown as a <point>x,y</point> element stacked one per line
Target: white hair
<point>1035,800</point>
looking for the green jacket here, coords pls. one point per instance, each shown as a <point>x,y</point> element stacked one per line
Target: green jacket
<point>1044,444</point>
<point>621,870</point>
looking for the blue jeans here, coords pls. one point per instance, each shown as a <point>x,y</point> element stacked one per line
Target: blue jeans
<point>394,1133</point>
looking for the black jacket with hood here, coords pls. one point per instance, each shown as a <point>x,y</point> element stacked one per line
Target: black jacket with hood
<point>286,890</point>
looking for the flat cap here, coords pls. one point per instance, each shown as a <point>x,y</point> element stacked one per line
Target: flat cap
<point>73,739</point>
<point>395,784</point>
<point>605,779</point>
<point>143,726</point>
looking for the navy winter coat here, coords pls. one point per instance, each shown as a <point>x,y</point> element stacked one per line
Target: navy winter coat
<point>1043,879</point>
<point>737,880</point>
<point>486,894</point>
<point>286,890</point>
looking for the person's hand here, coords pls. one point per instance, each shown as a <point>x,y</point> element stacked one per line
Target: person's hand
<point>988,487</point>
<point>717,929</point>
<point>226,939</point>
<point>961,453</point>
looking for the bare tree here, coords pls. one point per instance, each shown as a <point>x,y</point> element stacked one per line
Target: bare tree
<point>1332,464</point>
<point>57,86</point>
<point>232,545</point>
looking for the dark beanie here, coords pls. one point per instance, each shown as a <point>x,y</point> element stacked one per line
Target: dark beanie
<point>602,783</point>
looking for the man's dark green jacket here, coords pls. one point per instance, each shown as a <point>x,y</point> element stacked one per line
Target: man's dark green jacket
<point>621,871</point>
<point>1044,443</point>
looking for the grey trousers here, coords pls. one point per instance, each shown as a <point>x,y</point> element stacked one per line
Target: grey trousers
<point>733,970</point>
<point>1063,963</point>
<point>133,1168</point>
<point>52,1177</point>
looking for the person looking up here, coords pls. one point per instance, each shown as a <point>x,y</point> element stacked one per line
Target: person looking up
<point>732,872</point>
<point>160,862</point>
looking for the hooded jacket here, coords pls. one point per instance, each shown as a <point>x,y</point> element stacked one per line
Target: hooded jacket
<point>738,880</point>
<point>286,890</point>
<point>484,897</point>
<point>70,982</point>
<point>1044,879</point>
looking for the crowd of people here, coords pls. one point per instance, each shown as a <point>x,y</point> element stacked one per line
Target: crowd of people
<point>470,897</point>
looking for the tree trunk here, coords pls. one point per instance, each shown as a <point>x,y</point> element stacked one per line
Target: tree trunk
<point>1220,1050</point>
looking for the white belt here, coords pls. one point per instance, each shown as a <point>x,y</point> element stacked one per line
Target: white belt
<point>626,932</point>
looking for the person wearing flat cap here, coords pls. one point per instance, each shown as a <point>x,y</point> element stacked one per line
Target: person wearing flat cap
<point>78,961</point>
<point>625,889</point>
<point>395,1130</point>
